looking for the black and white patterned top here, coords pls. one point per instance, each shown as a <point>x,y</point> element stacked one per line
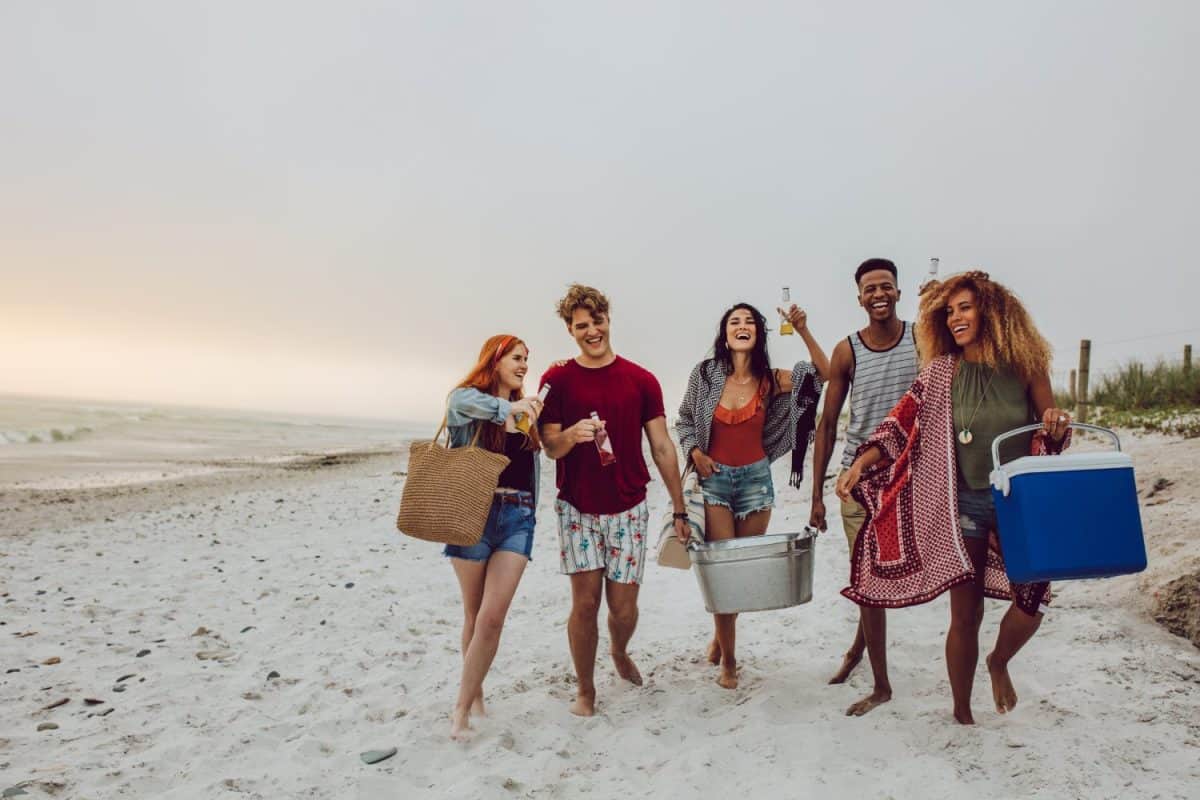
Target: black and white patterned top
<point>784,412</point>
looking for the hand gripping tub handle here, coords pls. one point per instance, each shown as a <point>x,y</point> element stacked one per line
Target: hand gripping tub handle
<point>1003,486</point>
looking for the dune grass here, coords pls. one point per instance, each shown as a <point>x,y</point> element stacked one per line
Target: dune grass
<point>1163,398</point>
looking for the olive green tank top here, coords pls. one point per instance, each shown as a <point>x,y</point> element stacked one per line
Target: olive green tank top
<point>1005,405</point>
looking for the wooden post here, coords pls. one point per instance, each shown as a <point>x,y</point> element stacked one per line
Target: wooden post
<point>1085,363</point>
<point>1187,361</point>
<point>1074,397</point>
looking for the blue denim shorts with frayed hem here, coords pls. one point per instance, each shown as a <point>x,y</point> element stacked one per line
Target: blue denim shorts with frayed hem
<point>976,511</point>
<point>743,490</point>
<point>509,528</point>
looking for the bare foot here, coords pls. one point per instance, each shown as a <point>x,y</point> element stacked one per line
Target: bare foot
<point>460,725</point>
<point>729,678</point>
<point>584,705</point>
<point>714,653</point>
<point>477,707</point>
<point>626,668</point>
<point>875,698</point>
<point>964,717</point>
<point>849,662</point>
<point>1002,689</point>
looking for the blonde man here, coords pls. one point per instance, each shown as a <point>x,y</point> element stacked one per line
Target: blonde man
<point>599,397</point>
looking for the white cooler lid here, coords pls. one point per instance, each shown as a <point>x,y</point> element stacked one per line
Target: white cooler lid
<point>1067,462</point>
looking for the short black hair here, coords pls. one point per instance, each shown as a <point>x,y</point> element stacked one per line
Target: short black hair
<point>872,264</point>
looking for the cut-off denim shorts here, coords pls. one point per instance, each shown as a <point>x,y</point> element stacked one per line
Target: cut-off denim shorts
<point>509,527</point>
<point>976,511</point>
<point>743,490</point>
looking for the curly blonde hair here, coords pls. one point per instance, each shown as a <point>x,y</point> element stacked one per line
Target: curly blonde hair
<point>580,296</point>
<point>1007,334</point>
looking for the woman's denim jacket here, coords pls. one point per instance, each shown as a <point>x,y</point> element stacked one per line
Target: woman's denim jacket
<point>468,408</point>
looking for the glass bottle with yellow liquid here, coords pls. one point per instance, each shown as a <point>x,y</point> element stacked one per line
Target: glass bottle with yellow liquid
<point>523,423</point>
<point>785,327</point>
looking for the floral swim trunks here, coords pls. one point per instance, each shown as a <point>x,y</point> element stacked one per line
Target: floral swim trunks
<point>615,543</point>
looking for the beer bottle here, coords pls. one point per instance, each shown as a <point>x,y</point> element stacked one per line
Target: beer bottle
<point>523,422</point>
<point>785,327</point>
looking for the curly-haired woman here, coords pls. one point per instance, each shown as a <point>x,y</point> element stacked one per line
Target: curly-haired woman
<point>737,416</point>
<point>923,475</point>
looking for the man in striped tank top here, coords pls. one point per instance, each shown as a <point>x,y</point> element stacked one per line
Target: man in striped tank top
<point>876,365</point>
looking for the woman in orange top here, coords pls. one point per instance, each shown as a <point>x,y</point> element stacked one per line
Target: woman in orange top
<point>738,416</point>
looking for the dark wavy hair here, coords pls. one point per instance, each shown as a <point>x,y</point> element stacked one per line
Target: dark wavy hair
<point>760,360</point>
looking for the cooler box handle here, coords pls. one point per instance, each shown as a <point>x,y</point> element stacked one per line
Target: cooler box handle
<point>1027,428</point>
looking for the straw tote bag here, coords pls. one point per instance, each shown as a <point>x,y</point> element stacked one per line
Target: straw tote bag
<point>448,492</point>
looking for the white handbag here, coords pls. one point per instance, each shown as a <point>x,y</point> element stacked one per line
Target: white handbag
<point>672,553</point>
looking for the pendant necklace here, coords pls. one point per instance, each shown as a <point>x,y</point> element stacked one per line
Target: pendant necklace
<point>965,436</point>
<point>741,399</point>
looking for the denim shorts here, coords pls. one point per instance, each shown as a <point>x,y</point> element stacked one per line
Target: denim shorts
<point>509,527</point>
<point>976,511</point>
<point>743,490</point>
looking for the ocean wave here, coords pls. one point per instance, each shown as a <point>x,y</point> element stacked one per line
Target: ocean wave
<point>44,435</point>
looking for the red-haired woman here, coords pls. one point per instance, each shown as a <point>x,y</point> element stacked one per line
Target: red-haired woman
<point>488,572</point>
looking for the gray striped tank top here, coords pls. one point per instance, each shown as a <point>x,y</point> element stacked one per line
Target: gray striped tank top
<point>881,377</point>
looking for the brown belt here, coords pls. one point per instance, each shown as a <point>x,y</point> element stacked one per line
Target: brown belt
<point>508,498</point>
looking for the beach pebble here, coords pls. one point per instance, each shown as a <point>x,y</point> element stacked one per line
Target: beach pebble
<point>57,703</point>
<point>214,655</point>
<point>375,756</point>
<point>120,687</point>
<point>15,669</point>
<point>50,662</point>
<point>201,631</point>
<point>124,678</point>
<point>251,696</point>
<point>247,628</point>
<point>48,726</point>
<point>272,675</point>
<point>143,653</point>
<point>92,701</point>
<point>350,585</point>
<point>106,712</point>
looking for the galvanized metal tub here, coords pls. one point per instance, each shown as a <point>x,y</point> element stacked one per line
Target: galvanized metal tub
<point>757,573</point>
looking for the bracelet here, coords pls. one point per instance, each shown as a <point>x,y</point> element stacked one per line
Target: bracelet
<point>680,515</point>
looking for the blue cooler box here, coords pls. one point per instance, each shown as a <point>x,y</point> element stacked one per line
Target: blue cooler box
<point>1067,516</point>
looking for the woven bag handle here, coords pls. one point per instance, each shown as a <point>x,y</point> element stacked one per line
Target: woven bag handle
<point>444,428</point>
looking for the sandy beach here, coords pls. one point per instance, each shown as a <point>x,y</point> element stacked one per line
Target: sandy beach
<point>250,632</point>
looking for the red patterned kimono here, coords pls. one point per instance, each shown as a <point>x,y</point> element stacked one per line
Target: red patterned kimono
<point>911,549</point>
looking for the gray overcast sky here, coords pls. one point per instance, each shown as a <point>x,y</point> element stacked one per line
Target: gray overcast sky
<point>327,207</point>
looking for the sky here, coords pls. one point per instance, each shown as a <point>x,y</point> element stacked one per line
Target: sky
<point>327,208</point>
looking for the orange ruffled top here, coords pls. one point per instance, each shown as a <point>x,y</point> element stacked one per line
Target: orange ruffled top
<point>736,438</point>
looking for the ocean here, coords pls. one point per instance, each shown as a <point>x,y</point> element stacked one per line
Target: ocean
<point>46,441</point>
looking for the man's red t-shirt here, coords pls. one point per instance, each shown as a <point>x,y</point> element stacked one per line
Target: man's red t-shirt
<point>626,397</point>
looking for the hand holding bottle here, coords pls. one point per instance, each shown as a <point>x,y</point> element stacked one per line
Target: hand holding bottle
<point>526,416</point>
<point>795,316</point>
<point>584,430</point>
<point>525,413</point>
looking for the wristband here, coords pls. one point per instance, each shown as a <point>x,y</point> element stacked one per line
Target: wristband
<point>680,515</point>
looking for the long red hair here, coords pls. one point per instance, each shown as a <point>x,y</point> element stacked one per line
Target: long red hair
<point>485,377</point>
